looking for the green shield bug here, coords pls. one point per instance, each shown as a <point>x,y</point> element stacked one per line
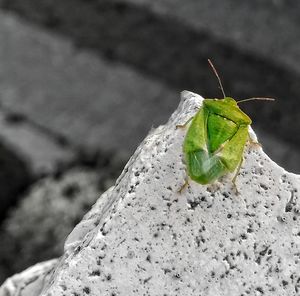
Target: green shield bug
<point>216,138</point>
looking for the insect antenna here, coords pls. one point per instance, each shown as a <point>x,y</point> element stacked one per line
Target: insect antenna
<point>254,99</point>
<point>218,77</point>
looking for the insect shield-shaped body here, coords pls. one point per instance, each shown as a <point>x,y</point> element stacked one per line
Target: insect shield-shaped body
<point>215,140</point>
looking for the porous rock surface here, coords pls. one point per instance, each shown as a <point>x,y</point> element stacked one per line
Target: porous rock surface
<point>145,238</point>
<point>29,282</point>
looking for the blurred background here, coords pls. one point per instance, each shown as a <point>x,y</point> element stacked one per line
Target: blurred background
<point>83,81</point>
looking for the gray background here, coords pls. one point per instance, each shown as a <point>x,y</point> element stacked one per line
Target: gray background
<point>82,82</point>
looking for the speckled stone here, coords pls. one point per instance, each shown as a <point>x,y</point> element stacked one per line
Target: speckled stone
<point>145,238</point>
<point>30,282</point>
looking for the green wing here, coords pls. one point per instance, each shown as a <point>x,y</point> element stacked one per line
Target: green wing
<point>232,152</point>
<point>204,168</point>
<point>195,138</point>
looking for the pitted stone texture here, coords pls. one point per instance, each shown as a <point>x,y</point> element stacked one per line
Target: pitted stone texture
<point>89,221</point>
<point>206,241</point>
<point>36,229</point>
<point>30,282</point>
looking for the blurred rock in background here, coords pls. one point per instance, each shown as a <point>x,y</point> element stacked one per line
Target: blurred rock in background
<point>14,177</point>
<point>36,230</point>
<point>82,82</point>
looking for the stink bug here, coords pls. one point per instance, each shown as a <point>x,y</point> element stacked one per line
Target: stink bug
<point>216,138</point>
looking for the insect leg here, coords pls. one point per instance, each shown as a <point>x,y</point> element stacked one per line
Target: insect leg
<point>236,174</point>
<point>185,184</point>
<point>185,124</point>
<point>253,142</point>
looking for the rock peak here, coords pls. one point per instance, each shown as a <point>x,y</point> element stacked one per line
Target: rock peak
<point>142,237</point>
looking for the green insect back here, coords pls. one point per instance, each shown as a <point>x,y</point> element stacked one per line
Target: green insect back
<point>215,140</point>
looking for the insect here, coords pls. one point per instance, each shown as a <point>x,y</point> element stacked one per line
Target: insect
<point>216,138</point>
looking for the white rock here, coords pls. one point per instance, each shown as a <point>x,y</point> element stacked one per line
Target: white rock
<point>148,239</point>
<point>30,282</point>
